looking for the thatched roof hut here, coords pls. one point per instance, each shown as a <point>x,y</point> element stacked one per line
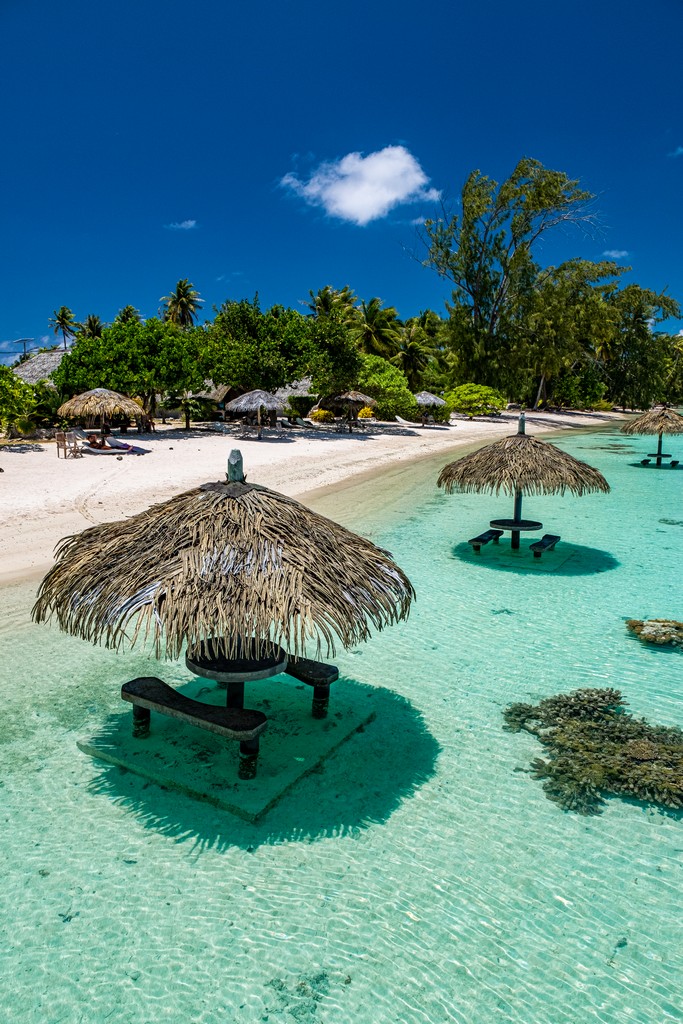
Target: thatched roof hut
<point>519,465</point>
<point>427,399</point>
<point>229,560</point>
<point>39,367</point>
<point>100,402</point>
<point>297,389</point>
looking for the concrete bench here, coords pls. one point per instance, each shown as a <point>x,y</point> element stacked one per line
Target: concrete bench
<point>645,462</point>
<point>484,538</point>
<point>546,543</point>
<point>318,675</point>
<point>147,694</point>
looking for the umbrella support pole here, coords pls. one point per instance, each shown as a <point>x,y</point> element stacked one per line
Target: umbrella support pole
<point>659,452</point>
<point>516,515</point>
<point>235,697</point>
<point>514,542</point>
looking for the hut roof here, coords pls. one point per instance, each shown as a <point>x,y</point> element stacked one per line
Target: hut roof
<point>224,560</point>
<point>427,398</point>
<point>100,402</point>
<point>521,463</point>
<point>40,367</point>
<point>252,401</point>
<point>213,392</point>
<point>660,420</point>
<point>297,389</point>
<point>356,398</point>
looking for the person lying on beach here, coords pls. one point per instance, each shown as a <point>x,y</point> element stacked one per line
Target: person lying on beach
<point>112,446</point>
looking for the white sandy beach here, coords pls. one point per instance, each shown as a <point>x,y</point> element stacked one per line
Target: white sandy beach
<point>44,498</point>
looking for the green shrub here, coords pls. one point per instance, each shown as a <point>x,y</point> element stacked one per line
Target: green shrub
<point>322,416</point>
<point>475,400</point>
<point>389,387</point>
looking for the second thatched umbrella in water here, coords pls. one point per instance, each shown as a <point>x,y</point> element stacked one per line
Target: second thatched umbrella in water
<point>657,421</point>
<point>520,465</point>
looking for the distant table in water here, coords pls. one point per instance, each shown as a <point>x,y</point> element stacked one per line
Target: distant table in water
<point>515,526</point>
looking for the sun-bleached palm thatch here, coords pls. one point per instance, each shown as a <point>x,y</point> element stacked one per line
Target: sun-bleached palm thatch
<point>229,561</point>
<point>520,464</point>
<point>355,398</point>
<point>100,402</point>
<point>426,399</point>
<point>660,420</point>
<point>252,401</point>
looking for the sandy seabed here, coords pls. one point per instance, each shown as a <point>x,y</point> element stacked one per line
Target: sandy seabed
<point>44,498</point>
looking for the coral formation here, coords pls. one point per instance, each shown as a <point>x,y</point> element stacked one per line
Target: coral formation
<point>596,748</point>
<point>657,631</point>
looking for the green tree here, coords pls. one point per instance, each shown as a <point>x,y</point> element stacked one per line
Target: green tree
<point>637,358</point>
<point>376,330</point>
<point>330,300</point>
<point>388,386</point>
<point>335,361</point>
<point>63,322</point>
<point>413,354</point>
<point>92,326</point>
<point>486,252</point>
<point>16,401</point>
<point>182,305</point>
<point>128,314</point>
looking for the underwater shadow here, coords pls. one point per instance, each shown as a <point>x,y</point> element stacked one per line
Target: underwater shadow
<point>359,784</point>
<point>565,560</point>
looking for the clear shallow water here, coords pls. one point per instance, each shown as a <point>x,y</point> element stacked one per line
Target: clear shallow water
<point>419,877</point>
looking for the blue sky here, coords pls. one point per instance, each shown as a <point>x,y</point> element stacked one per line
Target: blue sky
<point>279,147</point>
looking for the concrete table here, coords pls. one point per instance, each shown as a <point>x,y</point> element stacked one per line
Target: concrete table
<point>515,526</point>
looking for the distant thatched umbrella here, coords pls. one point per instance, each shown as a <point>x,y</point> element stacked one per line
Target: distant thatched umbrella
<point>355,398</point>
<point>519,465</point>
<point>252,402</point>
<point>226,560</point>
<point>426,399</point>
<point>100,402</point>
<point>657,421</point>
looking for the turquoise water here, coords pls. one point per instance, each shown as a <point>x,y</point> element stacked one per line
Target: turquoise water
<point>422,876</point>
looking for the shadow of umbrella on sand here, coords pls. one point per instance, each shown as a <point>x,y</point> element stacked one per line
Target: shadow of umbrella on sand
<point>659,421</point>
<point>100,402</point>
<point>518,465</point>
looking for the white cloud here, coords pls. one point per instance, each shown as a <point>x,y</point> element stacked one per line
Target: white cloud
<point>183,225</point>
<point>678,151</point>
<point>616,254</point>
<point>361,188</point>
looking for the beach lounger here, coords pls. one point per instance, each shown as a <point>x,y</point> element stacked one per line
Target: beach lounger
<point>147,694</point>
<point>546,543</point>
<point>484,538</point>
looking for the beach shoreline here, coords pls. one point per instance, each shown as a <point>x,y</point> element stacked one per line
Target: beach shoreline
<point>44,499</point>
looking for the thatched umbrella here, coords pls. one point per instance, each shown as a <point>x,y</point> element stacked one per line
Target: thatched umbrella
<point>229,564</point>
<point>253,401</point>
<point>660,421</point>
<point>100,402</point>
<point>519,465</point>
<point>355,398</point>
<point>425,399</point>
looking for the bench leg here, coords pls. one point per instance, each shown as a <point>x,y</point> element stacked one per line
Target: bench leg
<point>235,697</point>
<point>141,717</point>
<point>248,758</point>
<point>321,700</point>
<point>476,548</point>
<point>537,554</point>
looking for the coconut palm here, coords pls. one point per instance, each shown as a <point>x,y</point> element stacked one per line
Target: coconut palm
<point>182,305</point>
<point>377,330</point>
<point>92,326</point>
<point>63,322</point>
<point>413,355</point>
<point>128,315</point>
<point>329,300</point>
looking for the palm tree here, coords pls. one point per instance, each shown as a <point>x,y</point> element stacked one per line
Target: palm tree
<point>329,300</point>
<point>182,305</point>
<point>377,331</point>
<point>63,320</point>
<point>92,326</point>
<point>412,356</point>
<point>128,315</point>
